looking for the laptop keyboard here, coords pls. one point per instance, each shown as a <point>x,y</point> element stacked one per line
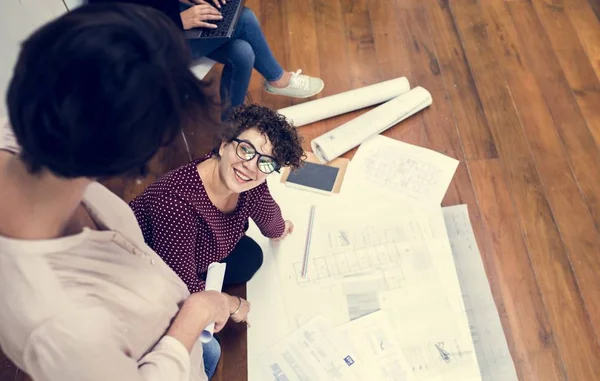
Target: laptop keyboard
<point>228,12</point>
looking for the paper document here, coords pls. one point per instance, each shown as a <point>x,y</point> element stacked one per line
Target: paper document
<point>400,171</point>
<point>349,135</point>
<point>310,353</point>
<point>327,107</point>
<point>495,361</point>
<point>214,281</point>
<point>381,257</point>
<point>375,344</point>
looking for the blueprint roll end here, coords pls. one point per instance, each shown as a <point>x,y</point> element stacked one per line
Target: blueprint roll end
<point>206,336</point>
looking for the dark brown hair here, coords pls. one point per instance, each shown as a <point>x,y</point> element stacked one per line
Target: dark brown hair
<point>97,91</point>
<point>287,144</point>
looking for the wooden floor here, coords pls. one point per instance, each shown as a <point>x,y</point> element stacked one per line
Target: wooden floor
<point>516,98</point>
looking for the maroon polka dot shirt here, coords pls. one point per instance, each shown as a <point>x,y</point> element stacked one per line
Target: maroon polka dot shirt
<point>187,230</point>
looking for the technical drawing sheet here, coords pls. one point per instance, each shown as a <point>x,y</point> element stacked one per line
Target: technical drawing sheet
<point>379,257</point>
<point>399,171</point>
<point>494,358</point>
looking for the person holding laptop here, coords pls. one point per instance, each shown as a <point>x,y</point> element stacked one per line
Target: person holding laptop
<point>94,94</point>
<point>247,50</point>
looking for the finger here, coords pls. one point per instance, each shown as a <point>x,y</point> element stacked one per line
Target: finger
<point>248,324</point>
<point>217,3</point>
<point>208,9</point>
<point>202,24</point>
<point>210,17</point>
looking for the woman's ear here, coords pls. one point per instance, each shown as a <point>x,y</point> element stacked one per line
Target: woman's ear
<point>222,148</point>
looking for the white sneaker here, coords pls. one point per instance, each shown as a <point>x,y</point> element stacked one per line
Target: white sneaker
<point>300,86</point>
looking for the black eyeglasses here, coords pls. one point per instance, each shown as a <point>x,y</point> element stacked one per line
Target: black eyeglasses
<point>246,151</point>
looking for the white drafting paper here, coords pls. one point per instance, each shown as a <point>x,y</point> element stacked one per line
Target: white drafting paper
<point>311,352</point>
<point>214,281</point>
<point>349,135</point>
<point>395,170</point>
<point>269,317</point>
<point>393,259</point>
<point>399,262</point>
<point>494,358</point>
<point>374,343</point>
<point>327,107</point>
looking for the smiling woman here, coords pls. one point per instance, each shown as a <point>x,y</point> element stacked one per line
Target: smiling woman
<point>198,213</point>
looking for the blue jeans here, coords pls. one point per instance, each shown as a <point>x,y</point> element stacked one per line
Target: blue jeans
<point>211,355</point>
<point>248,49</point>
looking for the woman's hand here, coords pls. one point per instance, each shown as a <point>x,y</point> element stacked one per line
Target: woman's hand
<point>196,16</point>
<point>241,314</point>
<point>288,229</point>
<point>216,2</point>
<point>199,310</point>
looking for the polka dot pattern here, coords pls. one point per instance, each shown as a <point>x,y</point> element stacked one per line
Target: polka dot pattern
<point>189,232</point>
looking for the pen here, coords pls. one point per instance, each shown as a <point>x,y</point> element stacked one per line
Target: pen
<point>308,237</point>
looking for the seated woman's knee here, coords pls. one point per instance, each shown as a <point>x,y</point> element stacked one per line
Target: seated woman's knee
<point>248,18</point>
<point>242,54</point>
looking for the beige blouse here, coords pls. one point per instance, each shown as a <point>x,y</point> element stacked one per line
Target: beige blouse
<point>93,306</point>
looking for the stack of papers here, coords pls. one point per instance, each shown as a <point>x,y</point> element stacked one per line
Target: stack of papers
<point>395,290</point>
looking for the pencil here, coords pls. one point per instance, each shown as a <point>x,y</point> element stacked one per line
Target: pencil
<point>308,237</point>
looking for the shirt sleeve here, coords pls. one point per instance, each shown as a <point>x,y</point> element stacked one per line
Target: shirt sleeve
<point>174,234</point>
<point>83,346</point>
<point>8,141</point>
<point>266,213</point>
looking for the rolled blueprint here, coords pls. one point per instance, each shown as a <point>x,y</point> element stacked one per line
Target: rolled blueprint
<point>214,281</point>
<point>347,136</point>
<point>327,107</point>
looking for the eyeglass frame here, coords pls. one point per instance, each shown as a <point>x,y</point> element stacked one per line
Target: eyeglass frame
<point>256,153</point>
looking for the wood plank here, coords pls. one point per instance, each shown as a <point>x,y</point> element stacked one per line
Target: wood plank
<point>573,218</point>
<point>391,42</point>
<point>573,60</point>
<point>302,39</point>
<point>570,124</point>
<point>362,69</point>
<point>534,349</point>
<point>333,54</point>
<point>595,4</point>
<point>587,27</point>
<point>274,24</point>
<point>577,345</point>
<point>476,137</point>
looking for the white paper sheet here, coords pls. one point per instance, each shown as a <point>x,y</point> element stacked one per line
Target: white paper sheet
<point>310,353</point>
<point>327,107</point>
<point>394,259</point>
<point>413,279</point>
<point>494,358</point>
<point>349,135</point>
<point>393,170</point>
<point>214,281</point>
<point>374,342</point>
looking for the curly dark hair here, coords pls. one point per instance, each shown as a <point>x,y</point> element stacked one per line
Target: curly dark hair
<point>287,144</point>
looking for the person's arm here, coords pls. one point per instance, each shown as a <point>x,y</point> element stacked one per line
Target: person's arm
<point>168,7</point>
<point>266,213</point>
<point>84,346</point>
<point>174,235</point>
